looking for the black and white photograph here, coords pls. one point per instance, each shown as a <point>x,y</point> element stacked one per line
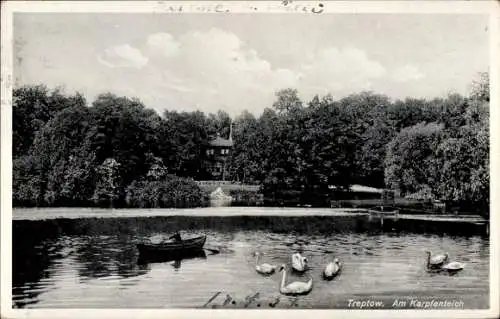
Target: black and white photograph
<point>289,155</point>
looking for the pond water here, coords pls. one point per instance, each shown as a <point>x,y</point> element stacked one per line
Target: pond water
<point>93,263</point>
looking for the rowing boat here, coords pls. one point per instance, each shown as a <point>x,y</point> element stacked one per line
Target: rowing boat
<point>173,247</point>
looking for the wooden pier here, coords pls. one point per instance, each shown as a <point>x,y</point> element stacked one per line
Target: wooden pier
<point>394,216</point>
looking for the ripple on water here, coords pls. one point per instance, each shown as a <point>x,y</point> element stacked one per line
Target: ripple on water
<point>95,270</point>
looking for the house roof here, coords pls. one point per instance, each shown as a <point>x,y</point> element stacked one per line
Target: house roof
<point>362,189</point>
<point>219,141</point>
<point>365,189</point>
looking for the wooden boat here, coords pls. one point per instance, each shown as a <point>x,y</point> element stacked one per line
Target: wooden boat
<point>173,249</point>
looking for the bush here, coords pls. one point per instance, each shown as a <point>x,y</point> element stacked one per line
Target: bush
<point>172,192</point>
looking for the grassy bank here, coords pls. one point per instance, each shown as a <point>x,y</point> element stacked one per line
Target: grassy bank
<point>62,212</point>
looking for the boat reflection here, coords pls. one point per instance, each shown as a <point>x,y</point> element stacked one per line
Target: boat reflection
<point>175,257</point>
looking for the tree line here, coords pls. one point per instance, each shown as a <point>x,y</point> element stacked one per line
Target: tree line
<point>117,152</point>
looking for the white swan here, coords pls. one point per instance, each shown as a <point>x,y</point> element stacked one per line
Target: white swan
<point>332,269</point>
<point>436,261</point>
<point>265,269</point>
<point>453,266</point>
<point>299,263</point>
<point>296,287</point>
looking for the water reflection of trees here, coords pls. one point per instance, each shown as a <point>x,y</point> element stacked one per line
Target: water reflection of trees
<point>31,258</point>
<point>229,225</point>
<point>104,256</point>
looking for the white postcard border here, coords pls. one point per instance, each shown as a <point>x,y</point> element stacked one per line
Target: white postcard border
<point>255,7</point>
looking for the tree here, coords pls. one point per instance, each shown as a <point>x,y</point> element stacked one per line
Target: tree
<point>157,170</point>
<point>125,130</point>
<point>78,185</point>
<point>451,113</point>
<point>52,146</point>
<point>184,138</point>
<point>219,123</point>
<point>66,153</point>
<point>464,159</point>
<point>107,190</point>
<point>328,148</point>
<point>481,88</point>
<point>405,113</point>
<point>410,163</point>
<point>246,157</point>
<point>284,128</point>
<point>287,100</point>
<point>32,107</point>
<point>369,131</point>
<point>27,181</point>
<point>60,135</point>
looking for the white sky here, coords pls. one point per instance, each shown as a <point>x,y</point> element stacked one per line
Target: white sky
<point>238,61</point>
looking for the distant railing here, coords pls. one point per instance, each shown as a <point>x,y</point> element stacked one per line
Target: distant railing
<point>355,203</point>
<point>216,183</point>
<point>374,202</point>
<point>228,185</point>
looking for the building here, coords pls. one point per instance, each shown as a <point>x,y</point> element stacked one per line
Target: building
<point>217,154</point>
<point>219,189</point>
<point>360,195</point>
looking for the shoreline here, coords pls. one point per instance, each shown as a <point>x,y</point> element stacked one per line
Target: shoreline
<point>82,212</point>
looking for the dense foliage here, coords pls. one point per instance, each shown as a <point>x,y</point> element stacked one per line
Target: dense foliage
<point>117,152</point>
<point>171,192</point>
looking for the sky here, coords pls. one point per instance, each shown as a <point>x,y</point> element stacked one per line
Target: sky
<point>237,62</point>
